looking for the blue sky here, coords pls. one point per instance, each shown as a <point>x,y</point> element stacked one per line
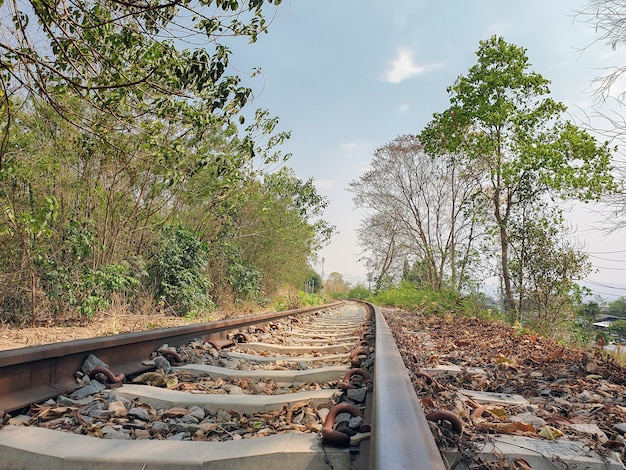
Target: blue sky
<point>347,76</point>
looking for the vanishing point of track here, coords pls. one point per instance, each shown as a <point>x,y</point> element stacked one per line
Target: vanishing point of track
<point>391,429</point>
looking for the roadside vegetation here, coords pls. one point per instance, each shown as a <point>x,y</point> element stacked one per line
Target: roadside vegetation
<point>133,175</point>
<point>475,202</point>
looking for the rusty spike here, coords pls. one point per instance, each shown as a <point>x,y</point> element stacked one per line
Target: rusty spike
<point>449,416</point>
<point>337,437</point>
<point>114,379</point>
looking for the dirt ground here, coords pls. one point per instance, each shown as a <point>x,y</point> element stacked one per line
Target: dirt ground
<point>103,325</point>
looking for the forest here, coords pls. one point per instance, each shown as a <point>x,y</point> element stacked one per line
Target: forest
<point>130,176</point>
<point>134,174</point>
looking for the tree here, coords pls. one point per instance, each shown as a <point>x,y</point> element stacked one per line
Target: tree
<point>335,284</point>
<point>381,247</point>
<point>545,268</point>
<point>617,307</point>
<point>502,123</point>
<point>123,60</point>
<point>607,19</point>
<point>278,229</point>
<point>418,209</point>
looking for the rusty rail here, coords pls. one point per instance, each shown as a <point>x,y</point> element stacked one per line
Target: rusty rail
<point>34,374</point>
<point>401,436</point>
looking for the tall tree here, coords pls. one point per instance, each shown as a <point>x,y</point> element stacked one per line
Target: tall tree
<point>502,122</point>
<point>423,203</point>
<point>608,19</point>
<point>125,60</point>
<point>279,229</point>
<point>381,246</point>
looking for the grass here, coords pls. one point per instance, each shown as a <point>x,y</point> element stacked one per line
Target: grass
<point>429,301</point>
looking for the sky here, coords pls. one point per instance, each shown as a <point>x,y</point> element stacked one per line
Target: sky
<point>348,76</point>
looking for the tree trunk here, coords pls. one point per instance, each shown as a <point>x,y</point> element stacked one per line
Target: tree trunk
<point>506,275</point>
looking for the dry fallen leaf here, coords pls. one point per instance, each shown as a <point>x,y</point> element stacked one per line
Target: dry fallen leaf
<point>548,432</point>
<point>522,429</point>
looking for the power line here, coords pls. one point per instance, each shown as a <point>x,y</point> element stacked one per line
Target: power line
<point>599,284</point>
<point>611,269</point>
<point>605,252</point>
<point>608,259</point>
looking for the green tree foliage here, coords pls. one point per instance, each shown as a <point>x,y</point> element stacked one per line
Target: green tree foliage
<point>124,61</point>
<point>359,292</point>
<point>336,284</point>
<point>178,271</point>
<point>617,307</point>
<point>75,206</point>
<point>502,122</point>
<point>279,228</point>
<point>545,269</point>
<point>123,163</point>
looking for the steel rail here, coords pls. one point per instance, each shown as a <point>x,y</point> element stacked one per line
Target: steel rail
<point>400,434</point>
<point>34,374</point>
<point>401,437</point>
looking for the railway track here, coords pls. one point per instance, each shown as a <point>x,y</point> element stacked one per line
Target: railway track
<point>311,388</point>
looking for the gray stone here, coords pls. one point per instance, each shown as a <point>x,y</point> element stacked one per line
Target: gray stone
<point>343,418</point>
<point>228,364</point>
<point>197,413</point>
<point>115,397</point>
<point>139,413</point>
<point>62,400</point>
<point>223,415</point>
<point>621,427</point>
<point>528,418</point>
<point>189,419</point>
<point>142,434</point>
<point>91,363</point>
<point>357,394</point>
<point>161,363</point>
<point>355,422</point>
<point>159,427</point>
<point>91,407</point>
<point>186,428</point>
<point>176,437</point>
<point>93,387</point>
<point>100,414</point>
<point>235,390</point>
<point>19,420</point>
<point>109,432</point>
<point>303,365</point>
<point>323,413</point>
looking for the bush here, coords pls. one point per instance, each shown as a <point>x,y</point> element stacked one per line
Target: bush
<point>359,292</point>
<point>179,272</point>
<point>87,290</point>
<point>410,296</point>
<point>246,281</point>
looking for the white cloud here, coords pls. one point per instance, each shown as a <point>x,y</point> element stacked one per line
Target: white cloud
<point>404,67</point>
<point>404,108</point>
<point>324,184</point>
<point>348,146</point>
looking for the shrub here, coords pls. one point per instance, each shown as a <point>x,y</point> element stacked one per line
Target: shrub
<point>179,272</point>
